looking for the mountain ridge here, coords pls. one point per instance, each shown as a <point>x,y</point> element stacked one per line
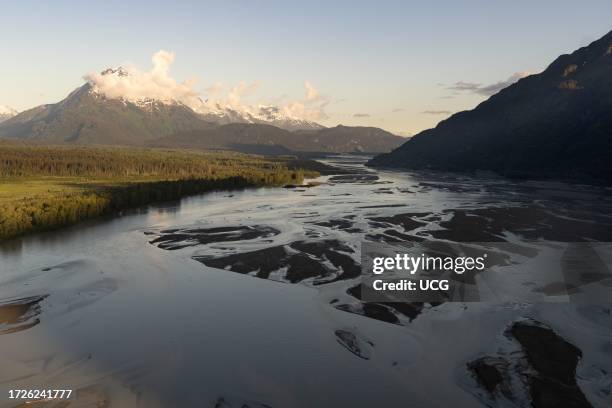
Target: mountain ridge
<point>268,139</point>
<point>86,116</point>
<point>555,124</point>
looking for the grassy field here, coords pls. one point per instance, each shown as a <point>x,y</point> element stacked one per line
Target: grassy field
<point>45,187</point>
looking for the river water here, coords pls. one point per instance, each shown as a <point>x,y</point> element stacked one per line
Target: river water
<point>246,298</point>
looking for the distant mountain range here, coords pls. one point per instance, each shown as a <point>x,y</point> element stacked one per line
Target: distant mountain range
<point>6,113</point>
<point>267,139</point>
<point>262,114</point>
<point>556,124</point>
<point>89,117</point>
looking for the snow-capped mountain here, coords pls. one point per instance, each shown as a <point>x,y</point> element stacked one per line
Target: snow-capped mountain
<point>87,117</point>
<point>212,111</point>
<point>275,116</point>
<point>262,114</point>
<point>114,108</point>
<point>6,112</point>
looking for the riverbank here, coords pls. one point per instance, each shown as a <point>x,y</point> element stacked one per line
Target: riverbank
<point>47,187</point>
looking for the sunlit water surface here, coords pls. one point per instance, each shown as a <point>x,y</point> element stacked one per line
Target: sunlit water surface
<point>124,322</point>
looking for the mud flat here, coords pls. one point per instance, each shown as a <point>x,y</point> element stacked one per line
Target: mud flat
<point>354,179</point>
<point>383,311</point>
<point>544,373</point>
<point>406,220</point>
<point>353,343</point>
<point>490,224</point>
<point>20,314</point>
<point>555,361</point>
<point>181,238</point>
<point>319,261</point>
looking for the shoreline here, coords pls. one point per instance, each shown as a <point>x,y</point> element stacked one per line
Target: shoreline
<point>38,192</point>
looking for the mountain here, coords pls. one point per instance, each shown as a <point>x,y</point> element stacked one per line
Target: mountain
<point>6,112</point>
<point>244,137</point>
<point>356,139</point>
<point>262,114</point>
<point>267,139</point>
<point>86,117</point>
<point>89,116</point>
<point>217,112</point>
<point>273,115</point>
<point>556,124</point>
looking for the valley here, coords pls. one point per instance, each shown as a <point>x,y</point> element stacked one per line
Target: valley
<point>321,205</point>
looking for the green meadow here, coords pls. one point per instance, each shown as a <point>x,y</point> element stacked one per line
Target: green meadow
<point>46,187</point>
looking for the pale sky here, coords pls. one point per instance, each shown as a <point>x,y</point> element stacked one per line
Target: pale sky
<point>402,66</point>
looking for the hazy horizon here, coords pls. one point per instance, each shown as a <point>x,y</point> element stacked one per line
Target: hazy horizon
<point>398,66</point>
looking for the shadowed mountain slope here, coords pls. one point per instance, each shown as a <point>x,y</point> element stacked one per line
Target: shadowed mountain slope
<point>556,124</point>
<point>267,139</point>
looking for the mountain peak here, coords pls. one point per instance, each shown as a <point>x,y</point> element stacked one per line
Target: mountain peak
<point>119,71</point>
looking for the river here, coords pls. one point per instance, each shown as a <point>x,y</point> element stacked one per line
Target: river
<point>243,298</point>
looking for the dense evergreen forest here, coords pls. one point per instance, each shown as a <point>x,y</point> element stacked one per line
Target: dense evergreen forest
<point>45,187</point>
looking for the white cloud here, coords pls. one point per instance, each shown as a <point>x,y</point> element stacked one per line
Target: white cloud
<point>312,107</point>
<point>133,84</point>
<point>239,91</point>
<point>312,94</point>
<point>215,90</point>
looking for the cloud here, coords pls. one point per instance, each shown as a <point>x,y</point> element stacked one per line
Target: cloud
<point>464,86</point>
<point>487,90</point>
<point>312,94</point>
<point>132,84</point>
<point>396,110</point>
<point>215,90</point>
<point>312,107</point>
<point>239,91</point>
<point>437,112</point>
<point>492,89</point>
<point>361,115</point>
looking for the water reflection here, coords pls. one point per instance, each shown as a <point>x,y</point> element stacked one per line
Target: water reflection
<point>133,316</point>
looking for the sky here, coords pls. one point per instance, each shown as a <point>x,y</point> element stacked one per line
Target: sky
<point>402,66</point>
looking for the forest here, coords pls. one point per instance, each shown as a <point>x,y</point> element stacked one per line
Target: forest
<point>46,187</point>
